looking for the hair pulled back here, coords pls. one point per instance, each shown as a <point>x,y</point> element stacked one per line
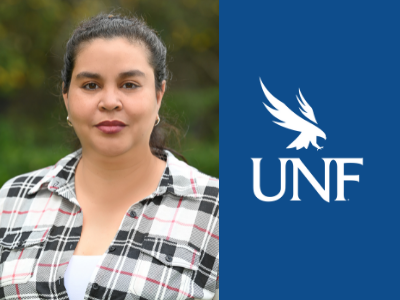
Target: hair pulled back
<point>136,30</point>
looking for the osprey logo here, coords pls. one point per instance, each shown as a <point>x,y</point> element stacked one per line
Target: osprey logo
<point>309,132</point>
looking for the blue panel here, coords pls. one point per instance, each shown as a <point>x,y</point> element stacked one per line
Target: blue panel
<point>344,56</point>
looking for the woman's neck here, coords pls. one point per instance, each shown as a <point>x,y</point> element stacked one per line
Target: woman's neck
<point>124,178</point>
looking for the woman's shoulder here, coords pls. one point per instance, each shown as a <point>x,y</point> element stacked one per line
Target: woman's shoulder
<point>21,184</point>
<point>30,182</point>
<point>190,181</point>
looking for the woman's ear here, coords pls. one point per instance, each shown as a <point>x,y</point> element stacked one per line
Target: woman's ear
<point>65,97</point>
<point>160,93</point>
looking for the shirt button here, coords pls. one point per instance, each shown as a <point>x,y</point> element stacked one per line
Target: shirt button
<point>168,258</point>
<point>111,249</point>
<point>133,214</point>
<point>95,286</point>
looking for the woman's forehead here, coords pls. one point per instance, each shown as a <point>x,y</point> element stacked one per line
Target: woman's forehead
<point>114,55</point>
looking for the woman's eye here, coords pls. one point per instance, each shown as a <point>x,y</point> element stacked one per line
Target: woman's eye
<point>129,85</point>
<point>91,86</point>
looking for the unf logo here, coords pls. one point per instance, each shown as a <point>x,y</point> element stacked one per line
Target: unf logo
<point>308,134</point>
<point>308,131</point>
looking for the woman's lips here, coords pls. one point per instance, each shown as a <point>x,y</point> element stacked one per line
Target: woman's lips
<point>111,126</point>
<point>110,129</point>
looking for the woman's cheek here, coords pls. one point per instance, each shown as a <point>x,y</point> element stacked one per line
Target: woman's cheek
<point>83,112</point>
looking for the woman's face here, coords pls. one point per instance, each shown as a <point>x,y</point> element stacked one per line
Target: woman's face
<point>113,81</point>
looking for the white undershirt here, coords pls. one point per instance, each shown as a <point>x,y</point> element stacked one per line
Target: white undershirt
<point>78,273</point>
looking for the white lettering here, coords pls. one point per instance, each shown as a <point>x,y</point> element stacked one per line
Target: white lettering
<point>341,178</point>
<point>299,166</point>
<point>256,180</point>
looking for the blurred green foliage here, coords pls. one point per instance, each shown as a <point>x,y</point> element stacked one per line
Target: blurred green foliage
<point>33,34</point>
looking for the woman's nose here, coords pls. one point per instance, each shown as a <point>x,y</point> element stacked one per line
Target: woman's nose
<point>110,100</point>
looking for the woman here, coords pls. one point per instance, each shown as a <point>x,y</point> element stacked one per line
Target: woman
<point>120,218</point>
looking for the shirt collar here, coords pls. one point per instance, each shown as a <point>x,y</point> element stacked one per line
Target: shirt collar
<point>178,178</point>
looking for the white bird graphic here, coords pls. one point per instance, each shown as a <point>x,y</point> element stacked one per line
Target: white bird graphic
<point>290,120</point>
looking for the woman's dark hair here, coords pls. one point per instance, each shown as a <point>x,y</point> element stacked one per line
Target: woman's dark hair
<point>134,29</point>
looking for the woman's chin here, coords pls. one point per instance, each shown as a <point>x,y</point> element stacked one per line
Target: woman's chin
<point>111,149</point>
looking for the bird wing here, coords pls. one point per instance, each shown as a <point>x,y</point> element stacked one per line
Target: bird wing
<point>306,108</point>
<point>287,117</point>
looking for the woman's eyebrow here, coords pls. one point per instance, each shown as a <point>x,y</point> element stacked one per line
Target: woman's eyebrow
<point>88,75</point>
<point>131,73</point>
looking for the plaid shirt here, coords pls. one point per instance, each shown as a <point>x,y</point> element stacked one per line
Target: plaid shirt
<point>167,245</point>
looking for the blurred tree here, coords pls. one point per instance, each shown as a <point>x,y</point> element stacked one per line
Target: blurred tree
<point>33,34</point>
